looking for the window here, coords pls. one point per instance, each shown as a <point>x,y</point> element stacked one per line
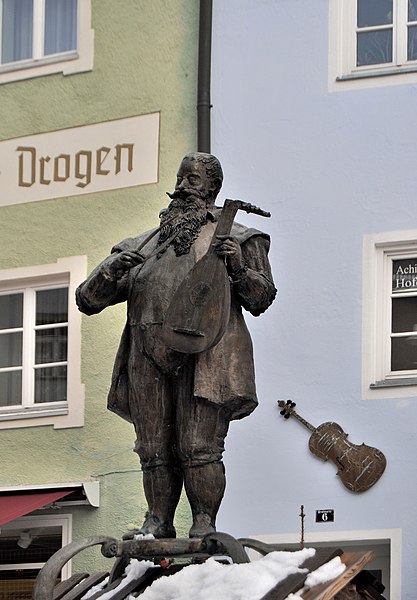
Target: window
<point>25,546</point>
<point>403,334</point>
<point>390,315</point>
<point>372,39</point>
<point>40,37</point>
<point>39,355</point>
<point>28,35</point>
<point>35,320</point>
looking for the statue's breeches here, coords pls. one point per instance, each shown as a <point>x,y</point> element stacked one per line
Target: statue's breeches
<point>172,426</point>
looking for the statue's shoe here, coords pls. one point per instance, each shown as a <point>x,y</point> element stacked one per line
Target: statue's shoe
<point>152,525</point>
<point>202,526</point>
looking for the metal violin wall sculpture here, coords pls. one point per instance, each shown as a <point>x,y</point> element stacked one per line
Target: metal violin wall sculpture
<point>359,466</point>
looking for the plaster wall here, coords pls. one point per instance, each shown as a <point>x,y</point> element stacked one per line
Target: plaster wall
<point>145,59</point>
<point>331,167</point>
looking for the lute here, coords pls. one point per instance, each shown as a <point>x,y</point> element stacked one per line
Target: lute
<point>199,311</point>
<point>359,466</point>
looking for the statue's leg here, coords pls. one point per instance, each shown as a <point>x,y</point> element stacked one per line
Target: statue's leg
<point>201,430</point>
<point>204,485</point>
<point>152,413</point>
<point>162,486</point>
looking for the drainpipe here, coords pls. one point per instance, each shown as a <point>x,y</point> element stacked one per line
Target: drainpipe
<point>204,77</point>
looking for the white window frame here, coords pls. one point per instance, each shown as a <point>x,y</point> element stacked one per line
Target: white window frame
<point>42,522</point>
<point>354,541</point>
<point>28,331</point>
<point>72,271</point>
<point>377,379</point>
<point>343,72</point>
<point>67,63</point>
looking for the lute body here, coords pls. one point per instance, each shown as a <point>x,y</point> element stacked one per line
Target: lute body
<point>199,311</point>
<point>359,466</point>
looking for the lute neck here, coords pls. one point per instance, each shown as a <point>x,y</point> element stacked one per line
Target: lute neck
<point>228,213</point>
<point>226,218</point>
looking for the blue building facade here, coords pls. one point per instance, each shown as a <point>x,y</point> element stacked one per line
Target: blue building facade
<point>314,110</point>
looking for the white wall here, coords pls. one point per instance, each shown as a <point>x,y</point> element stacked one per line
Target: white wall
<point>331,167</point>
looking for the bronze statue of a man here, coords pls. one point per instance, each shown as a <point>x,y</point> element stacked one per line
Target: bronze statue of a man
<point>181,404</point>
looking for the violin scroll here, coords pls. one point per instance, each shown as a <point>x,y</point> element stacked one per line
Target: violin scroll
<point>287,408</point>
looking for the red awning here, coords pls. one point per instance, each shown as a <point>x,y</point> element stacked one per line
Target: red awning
<point>13,506</point>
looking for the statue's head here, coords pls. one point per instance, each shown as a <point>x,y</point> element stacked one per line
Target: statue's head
<point>199,180</point>
<point>202,173</point>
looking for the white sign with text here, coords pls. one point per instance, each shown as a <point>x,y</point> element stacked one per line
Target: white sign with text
<point>81,160</point>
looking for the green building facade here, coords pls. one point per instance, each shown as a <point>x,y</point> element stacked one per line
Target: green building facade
<point>90,140</point>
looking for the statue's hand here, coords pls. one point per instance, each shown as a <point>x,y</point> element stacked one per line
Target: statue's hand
<point>122,262</point>
<point>227,245</point>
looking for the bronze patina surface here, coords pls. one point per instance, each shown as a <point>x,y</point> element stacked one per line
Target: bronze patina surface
<point>184,368</point>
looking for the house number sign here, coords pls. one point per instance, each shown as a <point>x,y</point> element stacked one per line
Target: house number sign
<point>325,515</point>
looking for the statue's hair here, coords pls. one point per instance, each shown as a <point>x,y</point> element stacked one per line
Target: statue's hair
<point>211,164</point>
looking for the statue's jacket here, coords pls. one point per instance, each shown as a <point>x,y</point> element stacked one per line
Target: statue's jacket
<point>223,374</point>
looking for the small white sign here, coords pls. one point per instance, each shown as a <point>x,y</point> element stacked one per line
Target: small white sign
<point>81,160</point>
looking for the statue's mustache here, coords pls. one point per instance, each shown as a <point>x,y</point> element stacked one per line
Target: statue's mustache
<point>185,193</point>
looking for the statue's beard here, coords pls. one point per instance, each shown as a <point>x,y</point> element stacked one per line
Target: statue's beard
<point>183,219</point>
